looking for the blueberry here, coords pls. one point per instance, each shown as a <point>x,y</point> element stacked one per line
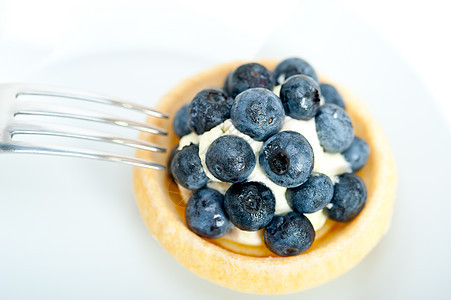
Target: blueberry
<point>349,198</point>
<point>230,158</point>
<point>187,168</point>
<point>293,66</point>
<point>226,87</point>
<point>205,214</point>
<point>248,76</point>
<point>170,158</point>
<point>311,196</point>
<point>180,123</point>
<point>300,97</point>
<point>287,158</point>
<point>289,235</point>
<point>331,95</point>
<point>258,113</point>
<point>357,154</point>
<point>334,128</point>
<point>250,205</point>
<point>209,108</point>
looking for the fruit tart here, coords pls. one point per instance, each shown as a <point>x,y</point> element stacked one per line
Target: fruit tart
<point>278,180</point>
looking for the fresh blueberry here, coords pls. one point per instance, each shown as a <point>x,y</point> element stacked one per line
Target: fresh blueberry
<point>289,235</point>
<point>300,97</point>
<point>226,87</point>
<point>258,113</point>
<point>349,198</point>
<point>311,196</point>
<point>170,158</point>
<point>287,158</point>
<point>293,66</point>
<point>331,95</point>
<point>180,123</point>
<point>230,158</point>
<point>209,108</point>
<point>334,128</point>
<point>250,205</point>
<point>357,154</point>
<point>248,76</point>
<point>187,168</point>
<point>205,214</point>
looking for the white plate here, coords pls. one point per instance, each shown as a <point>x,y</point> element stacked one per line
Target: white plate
<point>69,228</point>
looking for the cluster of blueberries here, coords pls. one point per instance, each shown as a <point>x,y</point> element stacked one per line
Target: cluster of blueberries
<point>286,157</point>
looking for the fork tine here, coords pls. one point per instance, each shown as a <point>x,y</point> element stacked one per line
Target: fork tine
<point>42,90</point>
<point>9,127</point>
<point>54,111</point>
<point>19,147</point>
<point>66,131</point>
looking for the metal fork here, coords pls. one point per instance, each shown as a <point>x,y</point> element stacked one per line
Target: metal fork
<point>10,126</point>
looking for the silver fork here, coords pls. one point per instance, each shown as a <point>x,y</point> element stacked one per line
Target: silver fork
<point>10,126</point>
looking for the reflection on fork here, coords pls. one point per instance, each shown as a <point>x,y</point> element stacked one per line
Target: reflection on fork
<point>10,126</point>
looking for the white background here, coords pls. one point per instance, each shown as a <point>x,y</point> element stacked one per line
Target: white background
<point>70,228</point>
<point>34,31</point>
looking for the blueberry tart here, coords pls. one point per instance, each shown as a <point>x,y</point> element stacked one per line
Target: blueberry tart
<point>280,179</point>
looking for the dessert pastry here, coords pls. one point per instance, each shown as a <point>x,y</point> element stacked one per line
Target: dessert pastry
<point>244,252</point>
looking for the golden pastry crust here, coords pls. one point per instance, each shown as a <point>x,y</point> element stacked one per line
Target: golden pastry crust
<point>339,248</point>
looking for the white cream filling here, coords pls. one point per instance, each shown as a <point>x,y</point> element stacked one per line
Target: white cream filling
<point>255,238</point>
<point>330,164</point>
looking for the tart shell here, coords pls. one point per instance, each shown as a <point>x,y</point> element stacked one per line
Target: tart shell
<point>239,267</point>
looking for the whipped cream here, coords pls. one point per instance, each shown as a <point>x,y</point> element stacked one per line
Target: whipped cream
<point>330,164</point>
<point>255,238</point>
